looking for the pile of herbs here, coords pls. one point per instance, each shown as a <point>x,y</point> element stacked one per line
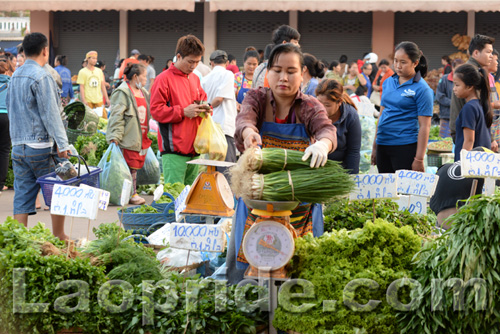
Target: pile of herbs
<point>463,262</point>
<point>354,214</point>
<point>379,251</point>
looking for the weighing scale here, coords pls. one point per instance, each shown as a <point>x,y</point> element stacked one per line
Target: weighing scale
<point>210,194</point>
<point>269,244</point>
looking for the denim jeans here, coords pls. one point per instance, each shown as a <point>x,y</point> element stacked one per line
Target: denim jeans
<point>29,164</point>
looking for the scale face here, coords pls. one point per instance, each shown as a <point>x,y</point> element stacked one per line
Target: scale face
<point>268,244</point>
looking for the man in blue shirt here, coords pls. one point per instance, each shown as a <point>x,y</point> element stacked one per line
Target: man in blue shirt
<point>35,126</point>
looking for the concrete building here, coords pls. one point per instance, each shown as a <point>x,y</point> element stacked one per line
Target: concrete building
<point>329,28</point>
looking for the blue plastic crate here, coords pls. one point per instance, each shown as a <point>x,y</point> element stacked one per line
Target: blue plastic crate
<point>132,221</point>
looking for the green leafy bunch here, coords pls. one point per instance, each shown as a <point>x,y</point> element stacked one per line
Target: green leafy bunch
<point>354,214</point>
<point>463,262</point>
<point>91,148</point>
<point>19,249</point>
<point>379,251</point>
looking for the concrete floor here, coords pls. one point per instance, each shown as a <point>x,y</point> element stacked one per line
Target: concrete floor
<point>80,226</point>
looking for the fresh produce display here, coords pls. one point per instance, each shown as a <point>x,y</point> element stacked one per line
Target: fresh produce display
<point>173,189</point>
<point>434,133</point>
<point>468,251</point>
<point>379,251</point>
<point>91,148</point>
<point>432,79</point>
<point>459,55</point>
<point>25,249</point>
<point>354,214</point>
<point>445,145</point>
<point>154,141</point>
<point>191,302</point>
<point>102,125</point>
<point>144,209</point>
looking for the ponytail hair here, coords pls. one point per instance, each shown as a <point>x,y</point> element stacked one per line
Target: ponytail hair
<point>414,53</point>
<point>133,69</point>
<point>477,78</point>
<point>314,66</point>
<point>334,91</point>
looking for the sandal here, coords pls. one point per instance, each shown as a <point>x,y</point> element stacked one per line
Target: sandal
<point>137,200</point>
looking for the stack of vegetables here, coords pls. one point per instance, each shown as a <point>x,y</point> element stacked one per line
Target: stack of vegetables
<point>372,257</point>
<point>280,175</point>
<point>91,303</point>
<point>460,275</point>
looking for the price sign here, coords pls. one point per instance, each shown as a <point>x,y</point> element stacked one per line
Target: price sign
<point>180,202</point>
<point>480,164</point>
<point>74,201</point>
<point>206,238</point>
<point>103,197</point>
<point>125,197</point>
<point>416,183</point>
<point>414,204</point>
<point>374,186</point>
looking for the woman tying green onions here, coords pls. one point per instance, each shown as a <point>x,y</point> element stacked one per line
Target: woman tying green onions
<point>281,116</point>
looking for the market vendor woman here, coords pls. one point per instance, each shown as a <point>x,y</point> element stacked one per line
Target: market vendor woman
<point>282,116</point>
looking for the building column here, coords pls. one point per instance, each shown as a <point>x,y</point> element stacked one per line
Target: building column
<point>123,34</point>
<point>40,21</point>
<point>383,34</point>
<point>209,32</point>
<point>471,23</point>
<point>293,19</point>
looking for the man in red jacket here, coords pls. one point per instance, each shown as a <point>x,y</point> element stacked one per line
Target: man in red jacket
<point>173,97</point>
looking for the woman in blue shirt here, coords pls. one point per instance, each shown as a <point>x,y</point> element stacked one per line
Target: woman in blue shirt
<point>405,114</point>
<point>475,117</point>
<point>343,114</point>
<point>4,123</point>
<point>67,87</point>
<point>314,70</point>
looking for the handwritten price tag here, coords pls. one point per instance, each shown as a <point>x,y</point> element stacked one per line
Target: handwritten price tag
<point>103,197</point>
<point>480,164</point>
<point>207,238</point>
<point>414,204</point>
<point>74,201</point>
<point>374,186</point>
<point>416,183</point>
<point>180,202</point>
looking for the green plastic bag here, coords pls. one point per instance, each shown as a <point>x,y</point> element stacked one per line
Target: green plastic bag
<point>114,171</point>
<point>150,172</point>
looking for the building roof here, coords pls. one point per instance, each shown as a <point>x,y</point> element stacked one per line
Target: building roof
<point>89,5</point>
<point>356,5</point>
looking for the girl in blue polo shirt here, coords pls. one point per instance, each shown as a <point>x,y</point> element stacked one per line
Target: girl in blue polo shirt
<point>405,113</point>
<point>475,117</point>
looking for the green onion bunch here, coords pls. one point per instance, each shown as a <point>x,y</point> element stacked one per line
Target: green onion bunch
<point>305,185</point>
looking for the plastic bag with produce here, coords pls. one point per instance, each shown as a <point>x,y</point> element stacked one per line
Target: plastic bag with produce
<point>210,139</point>
<point>150,172</point>
<point>114,171</point>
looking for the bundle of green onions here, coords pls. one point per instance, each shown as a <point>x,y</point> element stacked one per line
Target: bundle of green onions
<point>304,185</point>
<point>268,160</point>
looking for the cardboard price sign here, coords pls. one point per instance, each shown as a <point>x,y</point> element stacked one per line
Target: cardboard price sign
<point>416,183</point>
<point>414,204</point>
<point>374,186</point>
<point>206,238</point>
<point>480,164</point>
<point>75,201</point>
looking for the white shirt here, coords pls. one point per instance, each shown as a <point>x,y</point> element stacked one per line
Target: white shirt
<point>220,83</point>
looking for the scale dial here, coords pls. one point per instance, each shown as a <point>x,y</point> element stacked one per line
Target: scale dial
<point>268,244</point>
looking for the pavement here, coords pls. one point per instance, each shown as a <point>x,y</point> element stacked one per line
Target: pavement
<point>81,227</point>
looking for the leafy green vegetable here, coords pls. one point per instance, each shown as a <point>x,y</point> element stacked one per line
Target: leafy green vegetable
<point>91,148</point>
<point>468,251</point>
<point>353,214</point>
<point>380,251</point>
<point>145,209</point>
<point>434,133</point>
